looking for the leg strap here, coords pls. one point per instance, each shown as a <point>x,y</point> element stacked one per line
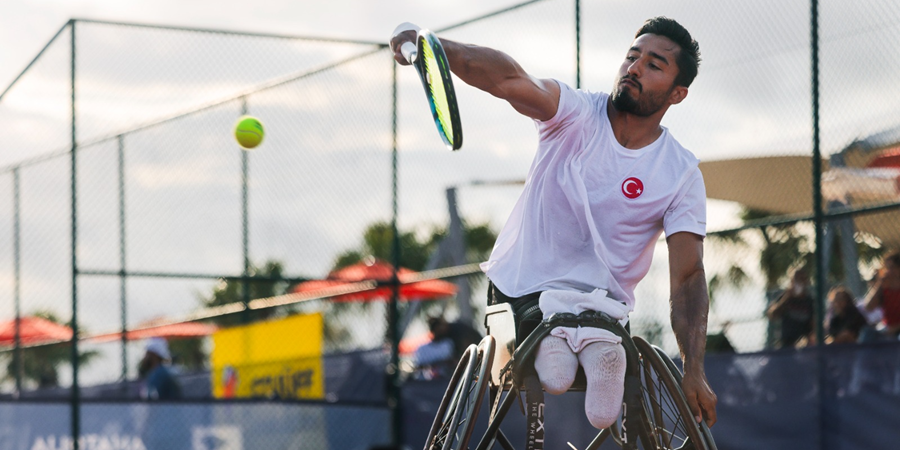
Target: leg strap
<point>534,412</point>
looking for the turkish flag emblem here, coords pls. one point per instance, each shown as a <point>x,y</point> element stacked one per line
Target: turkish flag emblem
<point>632,187</point>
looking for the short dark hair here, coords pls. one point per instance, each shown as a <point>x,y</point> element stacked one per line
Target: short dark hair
<point>434,323</point>
<point>689,58</point>
<point>841,290</point>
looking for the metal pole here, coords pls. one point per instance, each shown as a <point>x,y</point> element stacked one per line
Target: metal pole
<point>817,213</point>
<point>577,44</point>
<point>19,364</point>
<point>123,301</point>
<point>393,314</point>
<point>76,393</point>
<point>245,227</point>
<point>817,179</point>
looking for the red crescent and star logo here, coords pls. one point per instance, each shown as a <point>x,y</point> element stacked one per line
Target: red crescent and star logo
<point>632,188</point>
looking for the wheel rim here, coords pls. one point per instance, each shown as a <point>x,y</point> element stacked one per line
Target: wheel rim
<point>671,422</point>
<point>454,422</point>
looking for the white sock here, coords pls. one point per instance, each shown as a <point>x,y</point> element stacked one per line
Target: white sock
<point>604,368</point>
<point>556,365</point>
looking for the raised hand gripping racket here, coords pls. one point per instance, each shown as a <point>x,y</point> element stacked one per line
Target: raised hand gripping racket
<point>428,57</point>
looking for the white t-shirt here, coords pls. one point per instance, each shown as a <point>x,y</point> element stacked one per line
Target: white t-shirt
<point>592,210</point>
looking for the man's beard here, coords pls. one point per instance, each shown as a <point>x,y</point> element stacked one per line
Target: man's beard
<point>625,102</point>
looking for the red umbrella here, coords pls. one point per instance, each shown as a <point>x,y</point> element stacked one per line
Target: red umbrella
<point>381,272</point>
<point>33,330</point>
<point>888,158</point>
<point>159,328</point>
<point>409,345</point>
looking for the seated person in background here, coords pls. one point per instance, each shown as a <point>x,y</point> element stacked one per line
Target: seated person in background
<point>460,334</point>
<point>449,341</point>
<point>159,384</point>
<point>795,308</point>
<point>844,322</point>
<point>885,294</point>
<point>719,342</point>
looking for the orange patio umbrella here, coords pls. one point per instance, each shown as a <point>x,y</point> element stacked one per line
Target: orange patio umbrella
<point>381,272</point>
<point>159,328</point>
<point>33,330</point>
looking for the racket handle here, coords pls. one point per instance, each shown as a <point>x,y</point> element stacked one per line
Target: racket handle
<point>409,51</point>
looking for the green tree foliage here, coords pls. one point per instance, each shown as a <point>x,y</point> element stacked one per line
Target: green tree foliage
<point>230,291</point>
<point>415,251</point>
<point>784,247</point>
<point>188,353</point>
<point>40,365</point>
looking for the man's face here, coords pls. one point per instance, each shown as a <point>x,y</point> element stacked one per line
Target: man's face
<point>646,79</point>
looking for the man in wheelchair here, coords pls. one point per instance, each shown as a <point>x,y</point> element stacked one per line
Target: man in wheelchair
<point>606,181</point>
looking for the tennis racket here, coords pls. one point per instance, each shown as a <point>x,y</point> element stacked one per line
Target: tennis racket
<point>428,57</point>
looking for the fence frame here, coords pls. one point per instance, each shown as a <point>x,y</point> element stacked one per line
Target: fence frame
<point>820,217</point>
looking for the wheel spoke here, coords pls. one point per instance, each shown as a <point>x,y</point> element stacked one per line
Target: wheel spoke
<point>674,427</point>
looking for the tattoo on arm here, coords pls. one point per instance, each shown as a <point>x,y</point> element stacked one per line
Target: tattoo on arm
<point>689,312</point>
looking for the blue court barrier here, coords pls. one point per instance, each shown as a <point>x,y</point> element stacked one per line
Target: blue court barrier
<point>193,426</point>
<point>767,400</point>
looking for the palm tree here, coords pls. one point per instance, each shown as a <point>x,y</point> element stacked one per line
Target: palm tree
<point>415,252</point>
<point>782,248</point>
<point>40,364</point>
<point>232,291</point>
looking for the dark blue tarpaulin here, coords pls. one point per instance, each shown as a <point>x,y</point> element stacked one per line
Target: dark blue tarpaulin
<point>768,400</point>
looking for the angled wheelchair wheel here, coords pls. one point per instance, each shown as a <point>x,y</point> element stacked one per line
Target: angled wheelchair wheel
<point>704,429</point>
<point>455,418</point>
<point>672,425</point>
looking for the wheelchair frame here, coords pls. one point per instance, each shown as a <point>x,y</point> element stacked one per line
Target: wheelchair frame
<point>500,364</point>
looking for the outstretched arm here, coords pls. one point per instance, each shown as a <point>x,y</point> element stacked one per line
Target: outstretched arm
<point>777,308</point>
<point>873,297</point>
<point>689,304</point>
<point>496,73</point>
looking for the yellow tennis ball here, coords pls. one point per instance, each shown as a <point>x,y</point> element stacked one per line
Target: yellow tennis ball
<point>249,132</point>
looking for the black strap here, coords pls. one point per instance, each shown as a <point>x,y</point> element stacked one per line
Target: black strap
<point>526,310</point>
<point>631,406</point>
<point>534,412</point>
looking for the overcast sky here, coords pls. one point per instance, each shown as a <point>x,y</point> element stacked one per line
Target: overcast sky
<point>27,25</point>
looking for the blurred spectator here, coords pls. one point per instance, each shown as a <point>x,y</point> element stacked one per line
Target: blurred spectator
<point>795,310</point>
<point>885,295</point>
<point>159,384</point>
<point>461,334</point>
<point>719,342</point>
<point>449,341</point>
<point>844,322</point>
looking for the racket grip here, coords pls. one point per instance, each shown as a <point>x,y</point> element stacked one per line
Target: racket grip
<point>409,51</point>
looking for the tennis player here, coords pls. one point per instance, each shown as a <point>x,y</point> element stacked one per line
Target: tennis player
<point>606,181</point>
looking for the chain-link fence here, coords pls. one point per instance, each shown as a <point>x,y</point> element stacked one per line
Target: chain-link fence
<point>129,211</point>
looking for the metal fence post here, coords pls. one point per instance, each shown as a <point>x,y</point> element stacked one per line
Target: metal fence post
<point>17,279</point>
<point>817,176</point>
<point>123,302</point>
<point>394,365</point>
<point>76,393</point>
<point>577,44</point>
<point>818,216</point>
<point>245,226</point>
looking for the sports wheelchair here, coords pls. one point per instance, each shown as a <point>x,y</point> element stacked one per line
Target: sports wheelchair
<point>655,414</point>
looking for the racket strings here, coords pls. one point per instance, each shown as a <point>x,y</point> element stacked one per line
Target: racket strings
<point>437,91</point>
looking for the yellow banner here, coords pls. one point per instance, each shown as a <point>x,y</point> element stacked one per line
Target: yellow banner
<point>276,359</point>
